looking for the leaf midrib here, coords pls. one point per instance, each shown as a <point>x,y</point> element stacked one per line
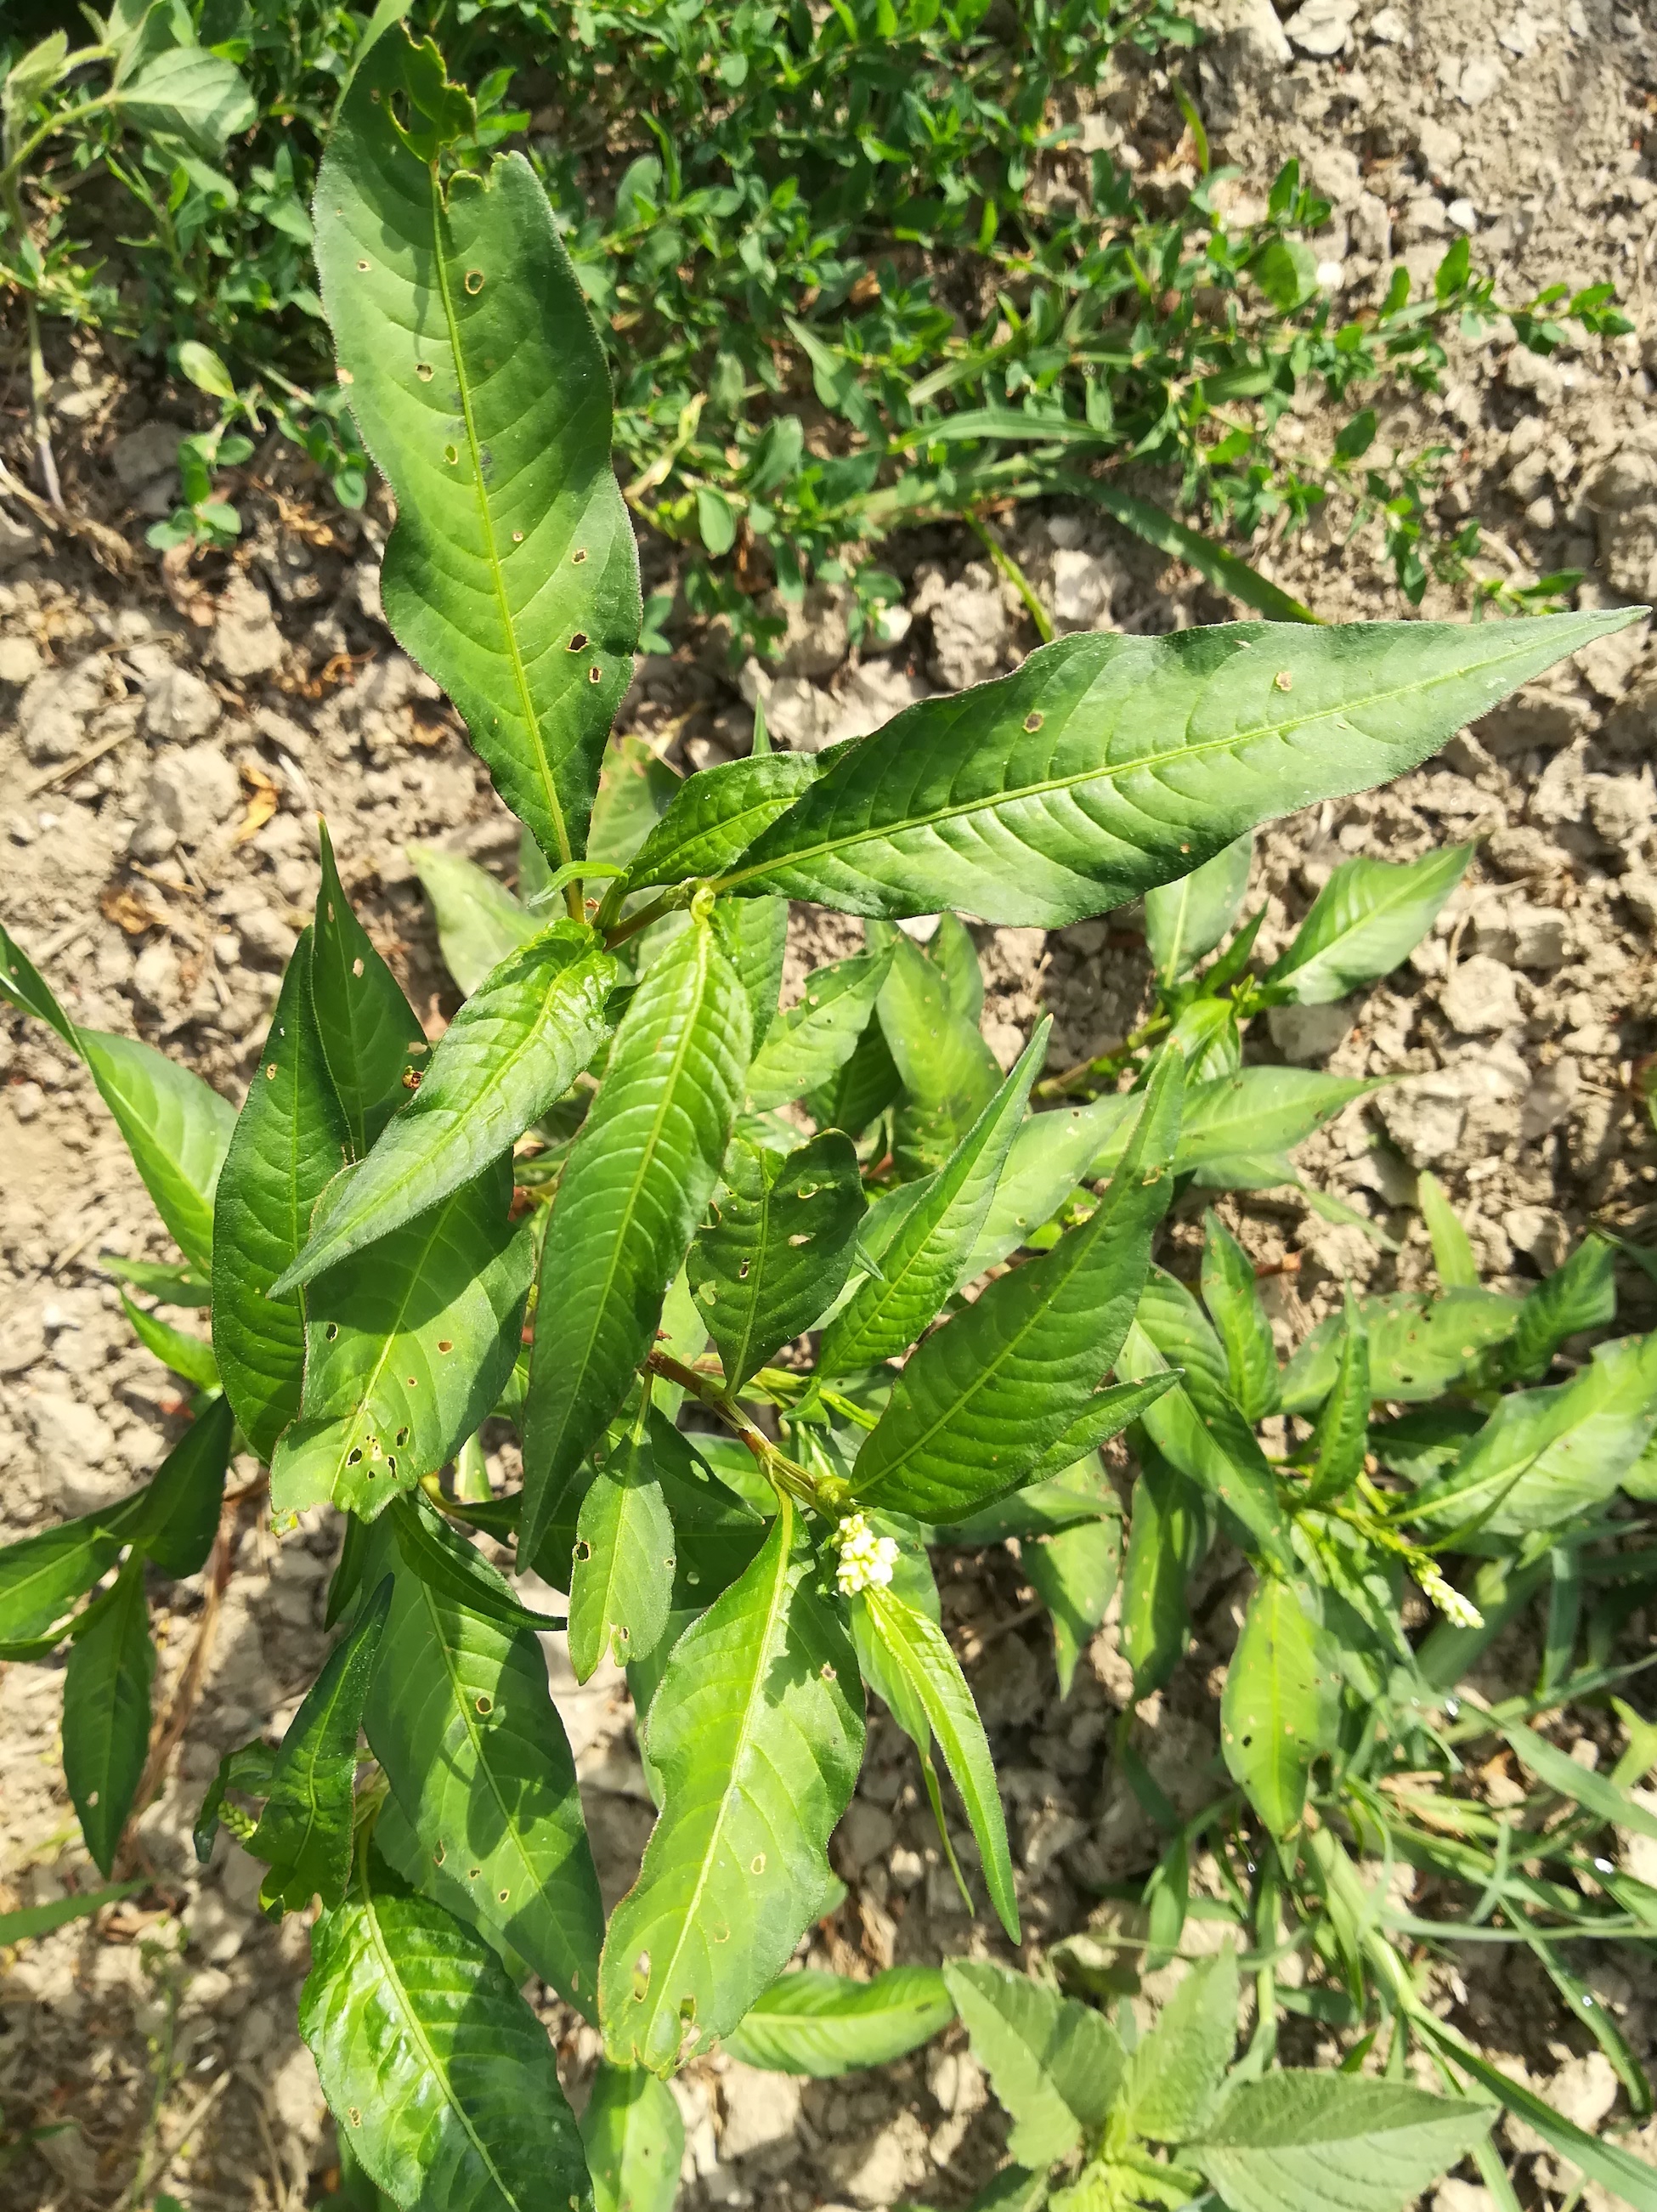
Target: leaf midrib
<point>1149,763</point>
<point>416,2030</point>
<point>647,1152</point>
<point>486,521</point>
<point>753,1704</point>
<point>509,1826</point>
<point>1394,896</point>
<point>414,1276</point>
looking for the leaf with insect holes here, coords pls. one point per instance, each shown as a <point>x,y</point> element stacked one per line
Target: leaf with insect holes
<point>1276,1710</point>
<point>1546,1456</point>
<point>1296,2142</point>
<point>1075,1573</point>
<point>480,388</point>
<point>479,922</point>
<point>949,1073</point>
<point>1368,916</point>
<point>460,1718</point>
<point>983,1398</point>
<point>826,2024</point>
<point>809,1044</point>
<point>1188,917</point>
<point>1174,2076</point>
<point>716,815</point>
<point>291,1139</point>
<point>633,1188</point>
<point>1232,1296</point>
<point>1419,1346</point>
<point>1056,2065</point>
<point>409,1344</point>
<point>932,1247</point>
<point>777,1248</point>
<point>621,1581</point>
<point>916,1650</point>
<point>755,1737</point>
<point>1108,764</point>
<point>442,2078</point>
<point>107,1683</point>
<point>517,1043</point>
<point>633,2138</point>
<point>304,1834</point>
<point>370,1036</point>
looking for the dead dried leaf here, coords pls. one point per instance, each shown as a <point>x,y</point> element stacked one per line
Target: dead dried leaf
<point>129,910</point>
<point>266,798</point>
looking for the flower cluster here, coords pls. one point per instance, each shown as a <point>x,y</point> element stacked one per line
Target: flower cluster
<point>866,1560</point>
<point>1459,1611</point>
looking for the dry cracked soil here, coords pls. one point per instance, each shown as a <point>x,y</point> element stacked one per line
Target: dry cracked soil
<point>166,743</point>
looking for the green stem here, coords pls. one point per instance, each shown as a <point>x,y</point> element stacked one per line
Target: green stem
<point>1015,576</point>
<point>643,919</point>
<point>776,1466</point>
<point>1106,1065</point>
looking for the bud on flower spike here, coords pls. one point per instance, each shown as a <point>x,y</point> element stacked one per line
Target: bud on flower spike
<point>866,1560</point>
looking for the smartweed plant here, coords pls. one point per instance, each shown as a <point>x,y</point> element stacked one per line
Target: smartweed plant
<point>620,1147</point>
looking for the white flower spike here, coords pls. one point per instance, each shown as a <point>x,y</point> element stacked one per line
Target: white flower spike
<point>866,1560</point>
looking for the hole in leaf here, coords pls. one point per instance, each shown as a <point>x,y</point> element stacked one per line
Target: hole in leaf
<point>439,1855</point>
<point>756,1864</point>
<point>741,1271</point>
<point>270,1073</point>
<point>827,1671</point>
<point>362,268</point>
<point>501,1896</point>
<point>474,281</point>
<point>331,1331</point>
<point>354,1457</point>
<point>451,454</point>
<point>411,1079</point>
<point>1034,719</point>
<point>687,2010</point>
<point>472,1873</point>
<point>517,537</point>
<point>578,641</point>
<point>797,1241</point>
<point>1283,680</point>
<point>583,1549</point>
<point>594,675</point>
<point>579,555</point>
<point>401,1439</point>
<point>424,371</point>
<point>486,1704</point>
<point>641,1976</point>
<point>444,1345</point>
<point>356,967</point>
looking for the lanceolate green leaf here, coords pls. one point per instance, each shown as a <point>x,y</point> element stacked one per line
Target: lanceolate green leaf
<point>918,1649</point>
<point>480,388</point>
<point>107,1711</point>
<point>304,1833</point>
<point>408,1345</point>
<point>755,1737</point>
<point>1297,2142</point>
<point>1275,1708</point>
<point>434,1550</point>
<point>716,1532</point>
<point>809,1044</point>
<point>479,922</point>
<point>636,1186</point>
<point>441,2077</point>
<point>979,1404</point>
<point>175,1518</point>
<point>1050,1153</point>
<point>621,1583</point>
<point>1074,1574</point>
<point>1419,1346</point>
<point>1453,1251</point>
<point>41,1575</point>
<point>756,935</point>
<point>192,1357</point>
<point>460,1718</point>
<point>1583,1294</point>
<point>1163,1535</point>
<point>1199,1430</point>
<point>777,1249</point>
<point>23,986</point>
<point>1367,916</point>
<point>290,1139</point>
<point>633,2138</point>
<point>1233,1298</point>
<point>1187,918</point>
<point>517,1045</point>
<point>1108,764</point>
<point>1341,1436</point>
<point>370,1038</point>
<point>935,1242</point>
<point>1544,1456</point>
<point>717,814</point>
<point>825,2024</point>
<point>948,1072</point>
<point>1105,1414</point>
<point>176,1128</point>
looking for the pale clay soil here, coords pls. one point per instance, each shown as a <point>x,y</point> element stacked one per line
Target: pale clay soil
<point>132,739</point>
